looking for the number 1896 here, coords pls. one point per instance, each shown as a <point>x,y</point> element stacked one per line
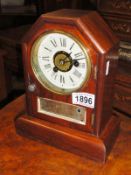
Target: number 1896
<point>84,99</point>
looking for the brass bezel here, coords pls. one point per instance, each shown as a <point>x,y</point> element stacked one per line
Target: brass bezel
<point>37,72</point>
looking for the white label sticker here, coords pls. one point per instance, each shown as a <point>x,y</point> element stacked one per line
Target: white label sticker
<point>84,99</point>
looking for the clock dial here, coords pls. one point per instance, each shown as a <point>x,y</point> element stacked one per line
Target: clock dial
<point>60,62</point>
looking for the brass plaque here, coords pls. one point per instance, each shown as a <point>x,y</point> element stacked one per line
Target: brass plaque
<point>62,110</point>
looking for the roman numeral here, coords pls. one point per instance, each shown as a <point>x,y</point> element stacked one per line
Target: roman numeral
<point>45,58</point>
<point>82,65</point>
<point>77,73</point>
<point>54,43</point>
<point>71,79</point>
<point>78,54</point>
<point>63,42</point>
<point>62,79</point>
<point>72,46</point>
<point>54,75</point>
<point>47,66</point>
<point>48,49</point>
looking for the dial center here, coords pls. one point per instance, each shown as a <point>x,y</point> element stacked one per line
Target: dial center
<point>63,61</point>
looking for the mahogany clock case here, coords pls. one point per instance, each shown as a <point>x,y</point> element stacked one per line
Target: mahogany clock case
<point>95,138</point>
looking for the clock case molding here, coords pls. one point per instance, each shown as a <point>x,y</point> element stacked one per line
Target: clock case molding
<point>96,138</point>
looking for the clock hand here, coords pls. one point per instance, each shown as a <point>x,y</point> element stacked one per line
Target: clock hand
<point>74,60</point>
<point>63,59</point>
<point>67,56</point>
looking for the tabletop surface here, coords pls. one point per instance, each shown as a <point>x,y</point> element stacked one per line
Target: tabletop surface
<point>22,156</point>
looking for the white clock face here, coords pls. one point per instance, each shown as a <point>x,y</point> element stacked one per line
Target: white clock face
<point>60,62</point>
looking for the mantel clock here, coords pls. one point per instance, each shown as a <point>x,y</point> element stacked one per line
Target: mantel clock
<point>70,59</point>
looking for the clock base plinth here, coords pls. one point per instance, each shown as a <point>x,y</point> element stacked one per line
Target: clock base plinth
<point>78,142</point>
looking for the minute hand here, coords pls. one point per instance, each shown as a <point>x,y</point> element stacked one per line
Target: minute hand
<point>75,60</point>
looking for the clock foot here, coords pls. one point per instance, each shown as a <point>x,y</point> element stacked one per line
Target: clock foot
<point>78,142</point>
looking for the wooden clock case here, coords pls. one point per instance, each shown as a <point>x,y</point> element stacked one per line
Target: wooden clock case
<point>96,137</point>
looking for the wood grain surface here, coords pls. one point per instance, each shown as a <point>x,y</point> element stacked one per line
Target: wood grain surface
<point>21,156</point>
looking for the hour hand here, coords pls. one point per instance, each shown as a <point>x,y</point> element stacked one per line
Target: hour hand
<point>67,56</point>
<point>74,62</point>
